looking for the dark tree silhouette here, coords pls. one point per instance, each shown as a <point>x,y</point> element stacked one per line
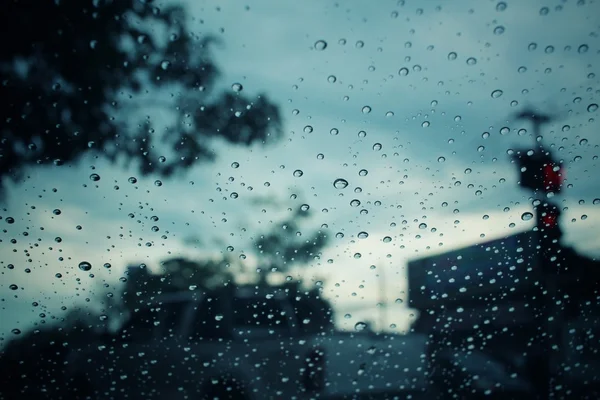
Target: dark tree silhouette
<point>81,76</point>
<point>176,274</point>
<point>287,245</point>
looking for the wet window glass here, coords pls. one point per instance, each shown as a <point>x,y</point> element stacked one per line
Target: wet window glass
<point>299,200</point>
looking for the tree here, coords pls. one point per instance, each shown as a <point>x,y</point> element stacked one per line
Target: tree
<point>286,245</point>
<point>177,274</point>
<point>75,73</point>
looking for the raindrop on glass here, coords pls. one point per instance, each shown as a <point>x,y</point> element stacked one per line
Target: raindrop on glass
<point>85,266</point>
<point>340,183</point>
<point>320,45</point>
<point>526,216</point>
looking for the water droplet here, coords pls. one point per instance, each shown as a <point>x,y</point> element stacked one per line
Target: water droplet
<point>544,11</point>
<point>340,183</point>
<point>363,235</point>
<point>348,316</point>
<point>13,287</point>
<point>165,65</point>
<point>360,326</point>
<point>422,225</point>
<point>526,216</point>
<point>366,109</point>
<point>387,239</point>
<point>501,6</point>
<point>320,45</point>
<point>320,156</point>
<point>95,177</point>
<point>452,56</point>
<point>403,71</point>
<point>158,183</point>
<point>334,132</point>
<point>308,129</point>
<point>377,146</point>
<point>583,48</point>
<point>331,79</point>
<point>107,265</point>
<point>304,207</point>
<point>234,195</point>
<point>596,201</point>
<point>497,93</point>
<point>132,180</point>
<point>362,134</point>
<point>93,44</point>
<point>592,107</point>
<point>425,124</point>
<point>363,172</point>
<point>441,159</point>
<point>237,87</point>
<point>298,173</point>
<point>549,49</point>
<point>235,164</point>
<point>389,114</point>
<point>85,266</point>
<point>499,30</point>
<point>485,135</point>
<point>355,203</point>
<point>339,235</point>
<point>471,61</point>
<point>360,44</point>
<point>532,46</point>
<point>162,159</point>
<point>219,317</point>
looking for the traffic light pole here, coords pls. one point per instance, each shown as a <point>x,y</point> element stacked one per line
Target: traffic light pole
<point>541,174</point>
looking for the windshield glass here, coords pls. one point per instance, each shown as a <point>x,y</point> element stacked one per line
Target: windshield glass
<point>391,192</point>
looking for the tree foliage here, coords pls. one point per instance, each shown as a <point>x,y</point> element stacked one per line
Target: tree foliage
<point>82,76</point>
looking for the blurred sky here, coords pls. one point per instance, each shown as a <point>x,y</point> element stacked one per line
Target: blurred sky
<point>423,146</point>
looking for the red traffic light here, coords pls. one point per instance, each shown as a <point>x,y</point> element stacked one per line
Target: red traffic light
<point>539,172</point>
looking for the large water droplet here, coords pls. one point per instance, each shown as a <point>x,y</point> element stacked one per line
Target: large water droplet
<point>85,266</point>
<point>366,109</point>
<point>497,93</point>
<point>340,183</point>
<point>237,87</point>
<point>526,216</point>
<point>499,30</point>
<point>592,107</point>
<point>298,173</point>
<point>320,45</point>
<point>363,235</point>
<point>360,326</point>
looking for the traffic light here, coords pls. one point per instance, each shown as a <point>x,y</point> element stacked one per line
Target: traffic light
<point>539,172</point>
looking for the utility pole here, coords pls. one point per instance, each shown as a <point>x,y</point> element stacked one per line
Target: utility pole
<point>544,176</point>
<point>382,300</point>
